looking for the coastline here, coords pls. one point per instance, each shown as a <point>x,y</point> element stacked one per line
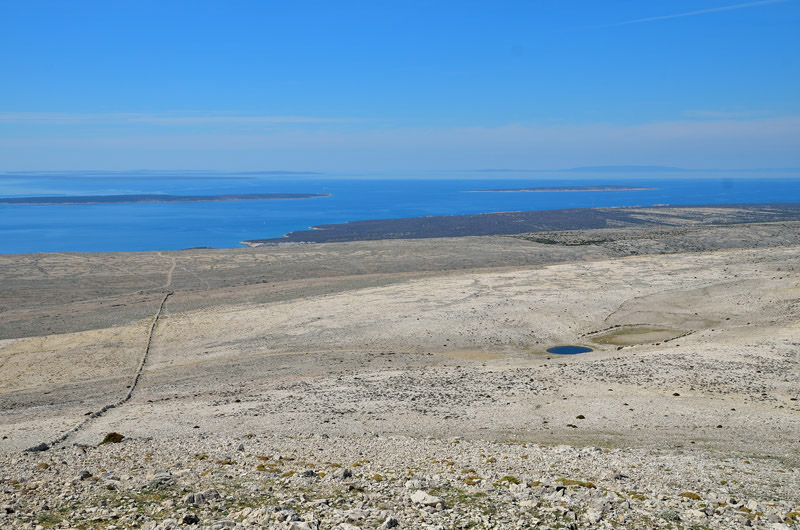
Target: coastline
<point>509,223</point>
<point>143,227</point>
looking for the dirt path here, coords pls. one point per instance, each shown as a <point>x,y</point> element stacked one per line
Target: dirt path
<point>171,270</point>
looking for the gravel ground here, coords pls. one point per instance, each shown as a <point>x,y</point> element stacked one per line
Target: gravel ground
<point>407,384</point>
<point>268,481</point>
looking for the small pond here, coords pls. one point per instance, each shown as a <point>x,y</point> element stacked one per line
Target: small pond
<point>568,350</point>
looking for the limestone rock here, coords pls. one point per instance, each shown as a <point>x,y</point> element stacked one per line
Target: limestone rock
<point>425,499</point>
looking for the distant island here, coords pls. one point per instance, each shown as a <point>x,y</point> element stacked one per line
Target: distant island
<point>563,189</point>
<point>137,199</point>
<point>626,169</point>
<point>594,169</point>
<point>637,169</point>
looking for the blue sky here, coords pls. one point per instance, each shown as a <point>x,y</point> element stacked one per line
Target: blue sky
<point>379,85</point>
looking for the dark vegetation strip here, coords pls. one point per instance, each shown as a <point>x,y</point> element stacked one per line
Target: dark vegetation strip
<point>608,187</point>
<point>509,223</point>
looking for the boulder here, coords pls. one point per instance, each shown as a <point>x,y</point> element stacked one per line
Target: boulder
<point>424,499</point>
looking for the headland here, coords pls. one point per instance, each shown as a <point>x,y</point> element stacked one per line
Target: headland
<point>508,223</point>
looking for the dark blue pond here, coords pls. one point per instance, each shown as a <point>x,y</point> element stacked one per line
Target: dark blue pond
<point>568,350</point>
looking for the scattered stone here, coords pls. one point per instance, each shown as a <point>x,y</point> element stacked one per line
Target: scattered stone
<point>211,494</point>
<point>413,484</point>
<point>194,499</point>
<point>342,473</point>
<point>424,498</point>
<point>670,515</point>
<point>523,486</point>
<point>160,479</point>
<point>390,522</point>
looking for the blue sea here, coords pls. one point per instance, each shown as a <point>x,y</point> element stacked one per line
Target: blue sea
<point>171,226</point>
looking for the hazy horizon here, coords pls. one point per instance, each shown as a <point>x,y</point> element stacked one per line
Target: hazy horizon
<point>621,170</point>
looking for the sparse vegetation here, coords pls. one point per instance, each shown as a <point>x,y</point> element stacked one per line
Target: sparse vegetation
<point>576,483</point>
<point>112,438</point>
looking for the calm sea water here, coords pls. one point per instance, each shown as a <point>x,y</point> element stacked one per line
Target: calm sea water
<point>136,227</point>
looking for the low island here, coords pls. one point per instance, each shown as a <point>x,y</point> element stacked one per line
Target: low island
<point>564,189</point>
<point>150,198</point>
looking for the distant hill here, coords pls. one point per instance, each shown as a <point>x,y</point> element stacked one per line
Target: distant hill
<point>593,169</point>
<point>639,169</point>
<point>545,189</point>
<point>626,169</point>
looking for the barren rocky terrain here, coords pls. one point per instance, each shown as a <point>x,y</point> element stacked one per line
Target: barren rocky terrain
<point>406,383</point>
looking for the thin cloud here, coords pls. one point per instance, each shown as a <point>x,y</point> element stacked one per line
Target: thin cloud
<point>764,142</point>
<point>729,115</point>
<point>701,12</point>
<point>199,120</point>
<point>156,119</point>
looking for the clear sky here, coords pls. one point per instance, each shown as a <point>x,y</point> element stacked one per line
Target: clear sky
<point>398,85</point>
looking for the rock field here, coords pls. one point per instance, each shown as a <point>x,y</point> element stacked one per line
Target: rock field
<point>372,481</point>
<point>406,384</point>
